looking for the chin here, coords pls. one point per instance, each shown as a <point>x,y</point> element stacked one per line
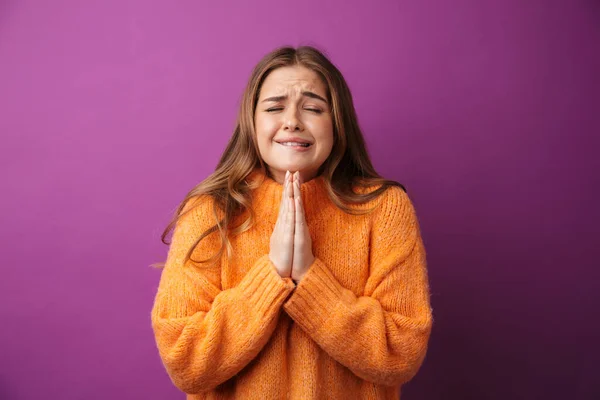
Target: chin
<point>283,166</point>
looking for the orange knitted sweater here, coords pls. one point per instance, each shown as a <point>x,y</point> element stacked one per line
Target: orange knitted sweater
<point>355,327</point>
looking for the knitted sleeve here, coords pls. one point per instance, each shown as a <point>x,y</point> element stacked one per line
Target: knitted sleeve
<point>206,335</point>
<point>381,336</point>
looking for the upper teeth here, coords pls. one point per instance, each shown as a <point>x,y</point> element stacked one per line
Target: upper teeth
<point>295,144</point>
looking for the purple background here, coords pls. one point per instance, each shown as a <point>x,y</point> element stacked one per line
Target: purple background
<point>110,111</point>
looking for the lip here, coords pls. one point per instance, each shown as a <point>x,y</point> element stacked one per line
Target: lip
<point>295,148</point>
<point>294,139</point>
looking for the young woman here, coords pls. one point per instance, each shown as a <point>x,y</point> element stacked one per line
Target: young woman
<point>295,271</point>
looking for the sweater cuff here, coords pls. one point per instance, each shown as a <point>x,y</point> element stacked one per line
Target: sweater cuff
<point>263,287</point>
<point>315,298</point>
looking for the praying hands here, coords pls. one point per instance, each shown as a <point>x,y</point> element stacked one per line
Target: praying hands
<point>291,244</point>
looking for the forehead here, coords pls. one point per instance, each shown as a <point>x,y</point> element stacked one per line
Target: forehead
<point>292,79</point>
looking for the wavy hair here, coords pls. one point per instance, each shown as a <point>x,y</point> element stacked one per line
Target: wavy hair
<point>348,166</point>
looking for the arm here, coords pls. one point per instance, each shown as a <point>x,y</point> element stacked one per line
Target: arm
<point>206,335</point>
<point>381,336</point>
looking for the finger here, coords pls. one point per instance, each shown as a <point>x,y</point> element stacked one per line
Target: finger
<point>286,190</point>
<point>289,221</point>
<point>300,222</point>
<point>283,203</point>
<point>290,192</point>
<point>297,185</point>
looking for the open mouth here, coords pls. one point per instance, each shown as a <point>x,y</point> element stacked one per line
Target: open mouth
<point>294,144</point>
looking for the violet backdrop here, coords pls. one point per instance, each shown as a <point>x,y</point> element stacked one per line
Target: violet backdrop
<point>487,111</point>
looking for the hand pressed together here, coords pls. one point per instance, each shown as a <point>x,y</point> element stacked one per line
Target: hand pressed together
<point>291,244</point>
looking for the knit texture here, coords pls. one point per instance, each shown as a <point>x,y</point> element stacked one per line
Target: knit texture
<point>356,326</point>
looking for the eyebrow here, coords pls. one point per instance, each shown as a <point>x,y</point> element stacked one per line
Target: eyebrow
<point>306,94</point>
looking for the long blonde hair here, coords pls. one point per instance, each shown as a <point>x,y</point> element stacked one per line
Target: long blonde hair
<point>347,167</point>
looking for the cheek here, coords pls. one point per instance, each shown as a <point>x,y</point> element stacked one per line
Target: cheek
<point>324,132</point>
<point>326,139</point>
<point>259,129</point>
<point>265,129</point>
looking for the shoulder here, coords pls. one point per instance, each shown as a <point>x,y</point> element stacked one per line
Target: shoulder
<point>394,199</point>
<point>198,213</point>
<point>368,187</point>
<point>196,220</point>
<point>197,203</point>
<point>395,214</point>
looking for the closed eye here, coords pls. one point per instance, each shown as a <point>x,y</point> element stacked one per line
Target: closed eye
<point>315,110</point>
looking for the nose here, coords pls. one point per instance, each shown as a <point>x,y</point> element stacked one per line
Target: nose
<point>291,121</point>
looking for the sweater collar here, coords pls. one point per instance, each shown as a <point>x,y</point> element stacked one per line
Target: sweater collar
<point>268,192</point>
